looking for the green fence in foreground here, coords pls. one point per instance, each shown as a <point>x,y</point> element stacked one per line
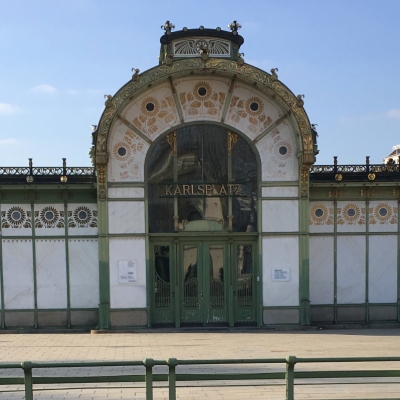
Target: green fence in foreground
<point>149,376</point>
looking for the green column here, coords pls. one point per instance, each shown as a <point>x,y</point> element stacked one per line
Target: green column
<point>304,250</point>
<point>104,260</point>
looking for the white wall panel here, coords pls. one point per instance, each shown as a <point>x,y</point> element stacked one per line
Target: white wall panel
<point>280,252</point>
<point>131,295</point>
<point>382,269</point>
<point>321,269</point>
<point>18,274</point>
<point>280,191</point>
<point>126,193</point>
<point>126,217</point>
<point>51,273</point>
<point>280,215</point>
<point>351,269</point>
<point>84,273</point>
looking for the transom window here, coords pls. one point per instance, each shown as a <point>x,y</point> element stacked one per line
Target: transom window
<point>202,173</point>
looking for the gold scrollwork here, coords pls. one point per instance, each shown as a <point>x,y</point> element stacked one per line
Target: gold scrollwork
<point>171,140</point>
<point>232,139</point>
<point>371,177</point>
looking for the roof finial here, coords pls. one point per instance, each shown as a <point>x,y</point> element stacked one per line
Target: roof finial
<point>168,26</point>
<point>234,26</point>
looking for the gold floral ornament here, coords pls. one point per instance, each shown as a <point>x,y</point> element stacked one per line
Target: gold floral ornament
<point>249,113</point>
<point>383,213</point>
<point>16,217</point>
<point>202,100</point>
<point>320,215</point>
<point>155,115</point>
<point>82,217</point>
<point>122,151</point>
<point>49,217</point>
<point>351,214</point>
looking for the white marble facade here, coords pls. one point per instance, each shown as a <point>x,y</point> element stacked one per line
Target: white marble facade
<point>321,218</point>
<point>83,273</point>
<point>126,217</point>
<point>82,219</point>
<point>49,220</point>
<point>382,274</point>
<point>18,274</point>
<point>51,273</point>
<point>280,191</point>
<point>126,193</point>
<point>280,215</point>
<point>16,220</point>
<point>128,295</point>
<point>321,270</point>
<point>280,252</point>
<point>351,269</point>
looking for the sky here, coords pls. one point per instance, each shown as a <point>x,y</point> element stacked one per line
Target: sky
<point>59,58</point>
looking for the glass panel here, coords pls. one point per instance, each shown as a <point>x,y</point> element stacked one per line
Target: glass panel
<point>161,173</point>
<point>245,275</point>
<point>161,277</point>
<point>244,172</point>
<point>217,295</point>
<point>191,282</point>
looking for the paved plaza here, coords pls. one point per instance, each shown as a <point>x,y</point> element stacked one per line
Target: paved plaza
<point>204,345</point>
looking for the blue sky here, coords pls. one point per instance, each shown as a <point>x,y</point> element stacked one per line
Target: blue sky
<point>59,58</point>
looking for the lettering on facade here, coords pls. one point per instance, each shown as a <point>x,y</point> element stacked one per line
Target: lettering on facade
<point>209,190</point>
<point>281,274</point>
<point>127,272</point>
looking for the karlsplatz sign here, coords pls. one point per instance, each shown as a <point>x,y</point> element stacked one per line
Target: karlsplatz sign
<point>209,190</point>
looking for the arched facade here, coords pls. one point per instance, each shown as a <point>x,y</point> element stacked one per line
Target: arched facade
<point>216,103</point>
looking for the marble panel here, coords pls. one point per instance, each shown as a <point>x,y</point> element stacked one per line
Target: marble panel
<point>49,220</point>
<point>202,99</point>
<point>278,152</point>
<point>280,191</point>
<point>280,215</point>
<point>153,112</point>
<point>383,216</point>
<point>321,269</point>
<point>18,274</point>
<point>83,273</point>
<point>126,217</point>
<point>127,155</point>
<point>126,193</point>
<point>382,274</point>
<point>128,295</point>
<point>82,219</point>
<point>51,273</point>
<point>16,220</point>
<point>351,216</point>
<point>321,217</point>
<point>280,252</point>
<point>351,269</point>
<point>250,111</point>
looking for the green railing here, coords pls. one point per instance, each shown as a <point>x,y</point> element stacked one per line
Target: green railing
<point>149,376</point>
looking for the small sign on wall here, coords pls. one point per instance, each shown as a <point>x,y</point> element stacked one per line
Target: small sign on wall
<point>281,274</point>
<point>127,271</point>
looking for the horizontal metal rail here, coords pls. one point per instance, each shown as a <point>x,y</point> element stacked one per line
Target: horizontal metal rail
<point>173,376</point>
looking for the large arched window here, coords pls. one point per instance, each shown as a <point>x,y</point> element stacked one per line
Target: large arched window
<point>202,178</point>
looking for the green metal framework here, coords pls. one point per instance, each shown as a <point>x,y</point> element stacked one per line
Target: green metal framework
<point>289,376</point>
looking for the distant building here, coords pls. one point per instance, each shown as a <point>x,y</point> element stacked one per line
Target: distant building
<point>204,207</point>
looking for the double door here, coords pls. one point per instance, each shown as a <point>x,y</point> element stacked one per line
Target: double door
<point>203,283</point>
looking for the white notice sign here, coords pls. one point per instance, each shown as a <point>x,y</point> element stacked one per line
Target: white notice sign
<point>127,271</point>
<point>281,274</point>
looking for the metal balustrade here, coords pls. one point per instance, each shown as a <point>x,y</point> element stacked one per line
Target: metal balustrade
<point>289,376</point>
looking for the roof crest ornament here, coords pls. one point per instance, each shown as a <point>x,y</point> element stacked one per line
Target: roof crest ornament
<point>168,26</point>
<point>234,26</point>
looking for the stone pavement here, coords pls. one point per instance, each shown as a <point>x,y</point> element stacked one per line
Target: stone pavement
<point>204,345</point>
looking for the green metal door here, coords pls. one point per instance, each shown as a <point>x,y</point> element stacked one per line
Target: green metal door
<point>244,299</point>
<point>203,289</point>
<point>163,272</point>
